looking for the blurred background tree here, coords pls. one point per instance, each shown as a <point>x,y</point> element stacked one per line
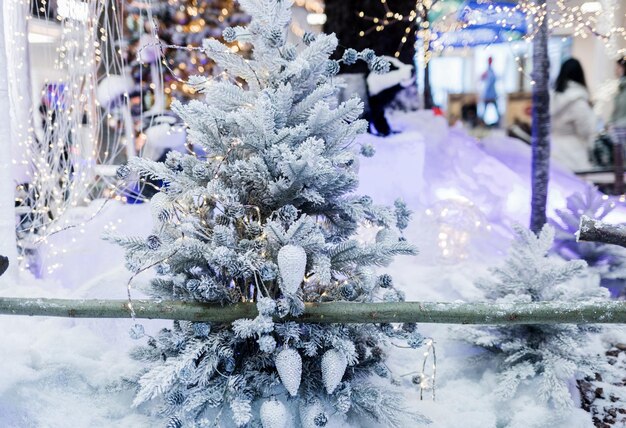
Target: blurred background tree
<point>180,26</point>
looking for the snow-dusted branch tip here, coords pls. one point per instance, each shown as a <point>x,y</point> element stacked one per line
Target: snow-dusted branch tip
<point>605,312</point>
<point>598,231</point>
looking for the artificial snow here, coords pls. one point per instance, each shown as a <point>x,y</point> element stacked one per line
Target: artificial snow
<point>465,196</point>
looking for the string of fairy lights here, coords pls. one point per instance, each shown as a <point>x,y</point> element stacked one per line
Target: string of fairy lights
<point>598,21</point>
<point>58,148</point>
<point>413,22</point>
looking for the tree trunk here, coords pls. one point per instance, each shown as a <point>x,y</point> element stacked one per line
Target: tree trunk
<point>428,95</point>
<point>540,137</point>
<point>7,188</point>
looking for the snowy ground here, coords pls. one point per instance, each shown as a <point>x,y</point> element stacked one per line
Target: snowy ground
<point>63,372</point>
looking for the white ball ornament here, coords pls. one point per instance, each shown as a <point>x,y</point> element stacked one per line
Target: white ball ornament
<point>334,365</point>
<point>292,266</point>
<point>289,367</point>
<point>274,414</point>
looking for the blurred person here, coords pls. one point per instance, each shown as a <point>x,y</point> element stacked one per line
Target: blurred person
<point>382,90</point>
<point>573,120</point>
<point>469,115</point>
<point>606,102</point>
<point>618,118</point>
<point>490,94</point>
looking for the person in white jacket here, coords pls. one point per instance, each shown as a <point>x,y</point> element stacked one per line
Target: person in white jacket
<point>573,120</point>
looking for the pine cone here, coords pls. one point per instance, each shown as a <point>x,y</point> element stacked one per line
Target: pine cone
<point>123,172</point>
<point>308,38</point>
<point>289,367</point>
<point>153,242</point>
<point>311,414</point>
<point>350,56</point>
<point>292,266</point>
<point>159,208</point>
<point>334,365</point>
<point>229,34</point>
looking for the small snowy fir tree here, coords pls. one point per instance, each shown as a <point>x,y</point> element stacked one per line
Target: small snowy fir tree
<point>267,216</point>
<point>553,354</point>
<point>609,261</point>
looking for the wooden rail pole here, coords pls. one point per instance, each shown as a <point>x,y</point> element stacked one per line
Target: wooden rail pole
<point>601,312</point>
<point>598,231</point>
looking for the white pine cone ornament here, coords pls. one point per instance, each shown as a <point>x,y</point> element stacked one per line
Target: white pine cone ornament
<point>289,367</point>
<point>312,414</point>
<point>334,365</point>
<point>160,209</point>
<point>292,266</point>
<point>274,414</point>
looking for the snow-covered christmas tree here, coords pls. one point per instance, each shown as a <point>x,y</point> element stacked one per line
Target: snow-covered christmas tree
<point>552,354</point>
<point>267,215</point>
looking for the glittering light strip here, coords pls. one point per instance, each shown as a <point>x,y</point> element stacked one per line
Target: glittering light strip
<point>62,142</point>
<point>580,21</point>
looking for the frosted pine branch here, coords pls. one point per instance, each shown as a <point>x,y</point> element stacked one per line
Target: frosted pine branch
<point>607,312</point>
<point>598,231</point>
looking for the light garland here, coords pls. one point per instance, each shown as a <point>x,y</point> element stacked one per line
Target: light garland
<point>458,221</point>
<point>582,22</point>
<point>413,21</point>
<point>425,381</point>
<point>61,160</point>
<point>421,378</point>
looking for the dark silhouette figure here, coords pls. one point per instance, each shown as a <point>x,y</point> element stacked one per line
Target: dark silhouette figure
<point>382,89</point>
<point>4,264</point>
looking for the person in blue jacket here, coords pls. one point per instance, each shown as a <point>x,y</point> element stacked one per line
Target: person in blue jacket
<point>490,94</point>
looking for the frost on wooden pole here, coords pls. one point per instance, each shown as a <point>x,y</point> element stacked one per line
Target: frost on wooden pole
<point>601,312</point>
<point>540,137</point>
<point>598,231</point>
